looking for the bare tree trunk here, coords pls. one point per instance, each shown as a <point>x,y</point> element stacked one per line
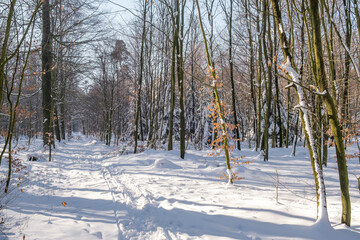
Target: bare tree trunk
<point>138,102</point>
<point>345,100</point>
<point>251,53</point>
<point>268,83</point>
<point>217,98</point>
<point>180,71</point>
<point>172,87</point>
<point>332,112</point>
<point>258,125</point>
<point>46,56</point>
<point>231,64</point>
<point>289,66</point>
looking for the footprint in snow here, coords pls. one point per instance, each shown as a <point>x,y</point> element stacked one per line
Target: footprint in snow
<point>98,235</point>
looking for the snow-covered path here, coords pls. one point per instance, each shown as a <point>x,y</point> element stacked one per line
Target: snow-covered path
<point>68,198</point>
<point>91,192</point>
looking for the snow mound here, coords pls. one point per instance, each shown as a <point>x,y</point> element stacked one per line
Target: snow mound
<point>163,163</point>
<point>93,142</point>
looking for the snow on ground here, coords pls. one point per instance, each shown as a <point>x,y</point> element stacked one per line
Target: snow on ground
<point>89,191</point>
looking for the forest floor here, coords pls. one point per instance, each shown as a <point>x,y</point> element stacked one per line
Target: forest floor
<point>92,191</point>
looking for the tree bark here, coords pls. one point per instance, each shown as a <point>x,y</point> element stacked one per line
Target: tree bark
<point>172,87</point>
<point>268,83</point>
<point>233,95</point>
<point>332,112</point>
<point>252,70</point>
<point>345,100</point>
<point>180,71</point>
<point>289,66</point>
<point>47,65</point>
<point>138,102</point>
<point>259,72</point>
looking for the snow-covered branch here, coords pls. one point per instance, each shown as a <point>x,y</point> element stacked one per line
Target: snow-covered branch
<point>290,85</point>
<point>317,91</point>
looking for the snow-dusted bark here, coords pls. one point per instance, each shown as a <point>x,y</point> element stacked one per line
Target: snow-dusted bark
<point>322,208</point>
<point>288,66</point>
<point>230,176</point>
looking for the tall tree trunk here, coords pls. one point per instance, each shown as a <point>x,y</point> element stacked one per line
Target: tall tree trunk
<point>233,95</point>
<point>47,65</point>
<point>277,105</point>
<point>332,112</point>
<point>288,96</point>
<point>259,72</point>
<point>289,66</point>
<point>138,102</point>
<point>172,87</point>
<point>329,44</point>
<point>345,100</point>
<point>252,70</point>
<point>211,67</point>
<point>180,72</point>
<point>268,83</point>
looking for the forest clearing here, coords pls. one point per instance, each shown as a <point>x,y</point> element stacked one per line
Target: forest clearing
<point>180,119</point>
